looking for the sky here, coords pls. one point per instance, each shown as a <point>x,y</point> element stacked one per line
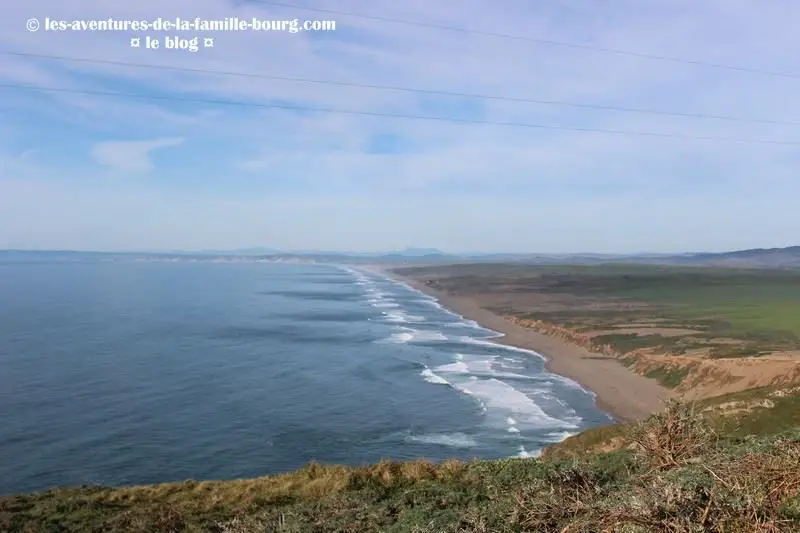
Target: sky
<point>187,171</point>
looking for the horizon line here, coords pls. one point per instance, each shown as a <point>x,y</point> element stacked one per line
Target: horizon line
<point>428,251</point>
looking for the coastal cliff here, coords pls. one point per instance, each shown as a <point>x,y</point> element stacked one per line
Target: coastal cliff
<point>693,377</point>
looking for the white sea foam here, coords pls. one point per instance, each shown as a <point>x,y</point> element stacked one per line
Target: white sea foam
<point>400,338</point>
<point>395,316</point>
<point>413,335</point>
<point>459,367</point>
<point>431,377</point>
<point>525,454</point>
<point>504,398</point>
<point>512,425</point>
<point>559,436</point>
<point>475,376</point>
<point>383,304</point>
<point>454,440</point>
<point>430,300</point>
<point>400,317</point>
<point>510,363</point>
<point>490,344</point>
<point>482,376</point>
<point>471,324</point>
<point>479,367</point>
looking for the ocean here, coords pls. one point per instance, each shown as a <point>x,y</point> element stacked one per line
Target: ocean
<point>129,373</point>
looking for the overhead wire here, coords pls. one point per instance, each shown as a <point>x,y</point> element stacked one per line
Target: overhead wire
<point>433,92</point>
<point>535,40</point>
<point>286,107</point>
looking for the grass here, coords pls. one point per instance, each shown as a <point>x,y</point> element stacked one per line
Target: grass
<point>629,342</point>
<point>758,308</point>
<point>760,412</point>
<point>782,411</point>
<point>738,302</point>
<point>729,352</point>
<point>669,377</point>
<point>679,477</point>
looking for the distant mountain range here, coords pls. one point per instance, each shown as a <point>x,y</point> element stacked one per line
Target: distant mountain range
<point>754,258</point>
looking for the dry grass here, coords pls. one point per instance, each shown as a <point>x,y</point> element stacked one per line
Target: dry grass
<point>673,437</point>
<point>688,482</point>
<point>679,475</point>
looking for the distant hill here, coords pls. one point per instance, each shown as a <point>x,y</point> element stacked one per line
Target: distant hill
<point>754,258</point>
<point>419,252</point>
<point>249,251</point>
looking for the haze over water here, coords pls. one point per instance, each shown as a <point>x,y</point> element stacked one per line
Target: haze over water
<point>124,373</point>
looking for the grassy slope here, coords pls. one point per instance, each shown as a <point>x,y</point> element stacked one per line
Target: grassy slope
<point>759,308</point>
<point>727,302</point>
<point>679,478</point>
<point>763,412</point>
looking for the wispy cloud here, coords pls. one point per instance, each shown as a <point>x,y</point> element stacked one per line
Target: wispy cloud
<point>580,190</point>
<point>130,156</point>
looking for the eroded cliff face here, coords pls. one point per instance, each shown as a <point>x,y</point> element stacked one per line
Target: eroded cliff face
<point>692,377</point>
<point>565,334</point>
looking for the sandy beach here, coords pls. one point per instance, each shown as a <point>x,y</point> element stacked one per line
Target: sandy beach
<point>622,393</point>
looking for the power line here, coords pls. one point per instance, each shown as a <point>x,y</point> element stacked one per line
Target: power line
<point>396,116</point>
<point>403,89</point>
<point>548,42</point>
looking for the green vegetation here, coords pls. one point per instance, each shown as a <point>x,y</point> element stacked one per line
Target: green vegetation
<point>733,312</point>
<point>752,304</point>
<point>758,412</point>
<point>629,342</point>
<point>728,352</point>
<point>667,376</point>
<point>678,475</point>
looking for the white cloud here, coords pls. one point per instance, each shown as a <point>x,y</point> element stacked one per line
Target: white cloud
<point>576,178</point>
<point>130,156</point>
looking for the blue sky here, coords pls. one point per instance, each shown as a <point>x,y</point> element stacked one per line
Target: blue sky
<point>91,172</point>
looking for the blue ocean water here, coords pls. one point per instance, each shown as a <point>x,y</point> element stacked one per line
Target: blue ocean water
<point>127,373</point>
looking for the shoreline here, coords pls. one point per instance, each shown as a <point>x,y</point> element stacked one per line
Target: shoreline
<point>623,394</point>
